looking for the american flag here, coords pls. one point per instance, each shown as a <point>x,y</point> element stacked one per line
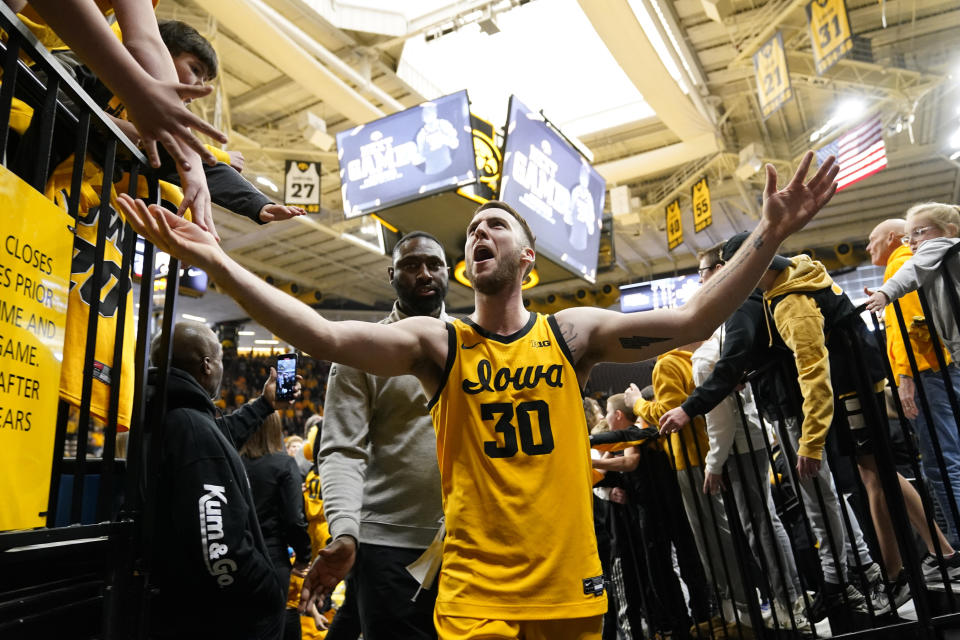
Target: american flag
<point>860,153</point>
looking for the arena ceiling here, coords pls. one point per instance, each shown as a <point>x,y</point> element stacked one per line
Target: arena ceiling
<point>679,113</point>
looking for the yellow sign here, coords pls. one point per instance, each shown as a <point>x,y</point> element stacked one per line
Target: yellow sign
<point>674,225</point>
<point>773,79</point>
<point>35,254</point>
<point>702,211</point>
<point>829,32</point>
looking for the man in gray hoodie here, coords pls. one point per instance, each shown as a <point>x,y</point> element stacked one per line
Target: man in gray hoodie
<point>378,466</point>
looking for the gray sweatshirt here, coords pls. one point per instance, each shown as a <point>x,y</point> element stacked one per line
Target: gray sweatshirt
<point>378,458</point>
<point>923,270</point>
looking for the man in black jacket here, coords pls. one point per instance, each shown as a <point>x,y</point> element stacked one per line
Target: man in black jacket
<point>211,567</point>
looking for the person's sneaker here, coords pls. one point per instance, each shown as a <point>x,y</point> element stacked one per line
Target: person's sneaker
<point>879,600</point>
<point>899,590</point>
<point>783,618</point>
<point>833,596</point>
<point>932,568</point>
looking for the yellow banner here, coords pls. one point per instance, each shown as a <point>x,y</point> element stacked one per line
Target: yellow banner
<point>829,32</point>
<point>702,211</point>
<point>773,79</point>
<point>35,257</point>
<point>674,225</point>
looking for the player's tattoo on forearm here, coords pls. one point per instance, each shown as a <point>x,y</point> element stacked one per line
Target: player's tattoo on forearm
<point>731,268</point>
<point>569,334</point>
<point>638,342</point>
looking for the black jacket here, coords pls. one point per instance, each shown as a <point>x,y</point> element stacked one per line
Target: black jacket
<point>211,564</point>
<point>744,345</point>
<point>277,492</point>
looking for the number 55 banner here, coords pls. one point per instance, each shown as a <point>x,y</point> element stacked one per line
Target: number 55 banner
<point>773,79</point>
<point>829,32</point>
<point>302,185</point>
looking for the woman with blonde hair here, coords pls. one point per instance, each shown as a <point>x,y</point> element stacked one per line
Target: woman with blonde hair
<point>932,231</point>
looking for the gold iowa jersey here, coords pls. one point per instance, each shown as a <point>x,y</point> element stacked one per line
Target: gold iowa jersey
<point>105,371</point>
<point>516,478</point>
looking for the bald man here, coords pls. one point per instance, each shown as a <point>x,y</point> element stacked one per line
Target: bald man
<point>211,567</point>
<point>886,249</point>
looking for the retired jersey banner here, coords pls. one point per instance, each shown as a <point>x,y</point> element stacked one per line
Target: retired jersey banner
<point>702,210</point>
<point>674,225</point>
<point>301,186</point>
<point>829,32</point>
<point>773,79</point>
<point>36,245</point>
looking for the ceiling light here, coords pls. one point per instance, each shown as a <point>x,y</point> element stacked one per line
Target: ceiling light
<point>268,183</point>
<point>848,110</point>
<point>187,316</point>
<point>266,342</point>
<point>955,139</point>
<point>246,333</point>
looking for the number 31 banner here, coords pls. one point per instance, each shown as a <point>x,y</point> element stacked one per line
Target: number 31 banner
<point>302,185</point>
<point>829,32</point>
<point>773,79</point>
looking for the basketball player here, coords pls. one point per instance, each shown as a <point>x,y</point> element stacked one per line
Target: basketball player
<point>520,557</point>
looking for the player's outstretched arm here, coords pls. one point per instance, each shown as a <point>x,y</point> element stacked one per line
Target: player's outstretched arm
<point>417,347</point>
<point>597,335</point>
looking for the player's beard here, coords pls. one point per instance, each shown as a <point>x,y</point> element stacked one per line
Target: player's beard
<point>504,275</point>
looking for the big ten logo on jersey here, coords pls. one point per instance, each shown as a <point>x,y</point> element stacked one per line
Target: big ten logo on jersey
<point>538,344</point>
<point>84,255</point>
<point>302,185</point>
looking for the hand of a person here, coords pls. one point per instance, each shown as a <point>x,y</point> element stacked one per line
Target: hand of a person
<point>877,301</point>
<point>713,483</point>
<point>236,160</point>
<point>330,567</point>
<point>126,127</point>
<point>618,495</point>
<point>673,420</point>
<point>158,112</point>
<point>270,391</point>
<point>630,395</point>
<point>790,208</point>
<point>172,234</point>
<point>274,212</point>
<point>299,569</point>
<point>906,390</point>
<point>196,194</point>
<point>319,620</point>
<point>807,467</point>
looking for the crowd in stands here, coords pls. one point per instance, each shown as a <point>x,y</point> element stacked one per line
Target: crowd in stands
<point>243,377</point>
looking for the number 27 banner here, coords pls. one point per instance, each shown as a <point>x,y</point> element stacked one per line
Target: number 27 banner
<point>773,79</point>
<point>829,32</point>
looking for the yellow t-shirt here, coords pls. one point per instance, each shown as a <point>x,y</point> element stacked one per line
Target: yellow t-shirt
<point>516,478</point>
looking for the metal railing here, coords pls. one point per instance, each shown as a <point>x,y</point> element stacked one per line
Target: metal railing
<point>767,560</point>
<point>84,571</point>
